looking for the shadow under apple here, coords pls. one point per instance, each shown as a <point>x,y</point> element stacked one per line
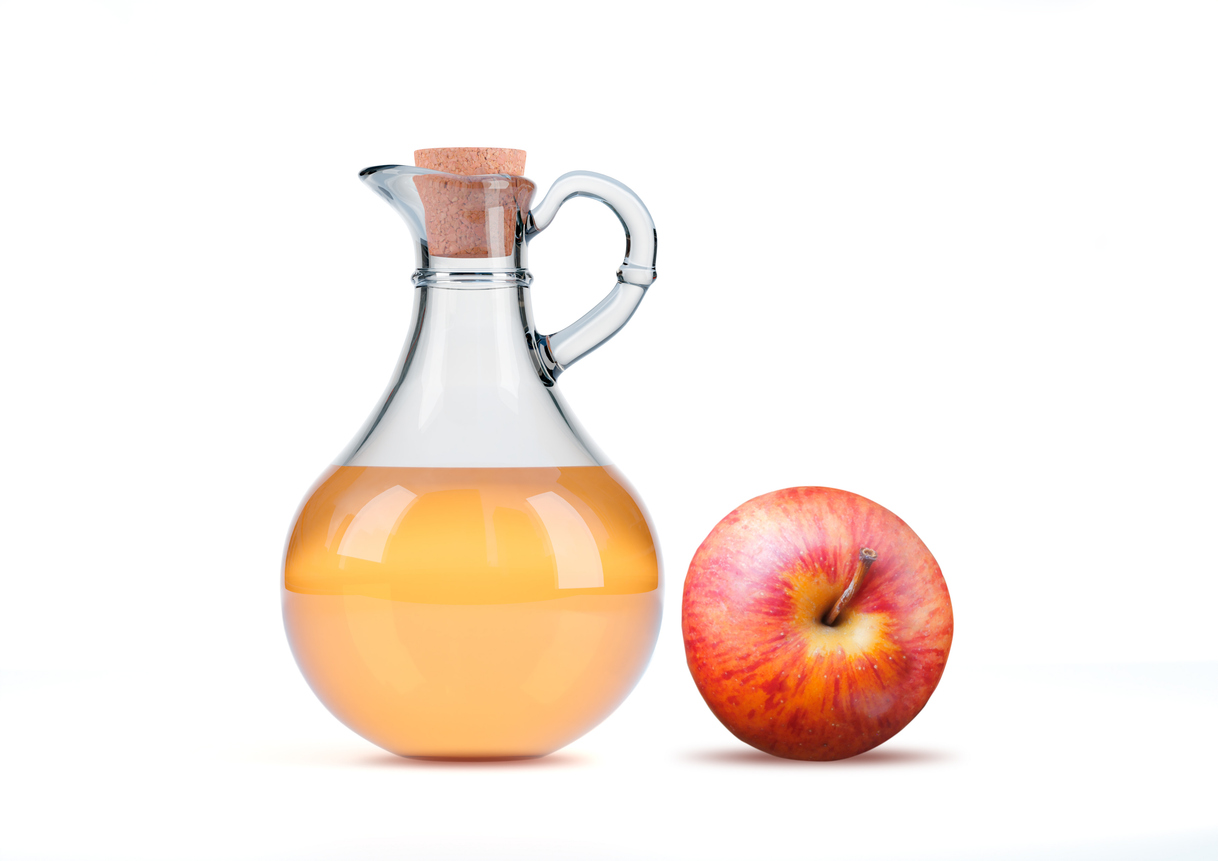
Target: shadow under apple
<point>872,758</point>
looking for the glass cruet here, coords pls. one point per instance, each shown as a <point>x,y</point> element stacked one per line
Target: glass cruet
<point>472,578</point>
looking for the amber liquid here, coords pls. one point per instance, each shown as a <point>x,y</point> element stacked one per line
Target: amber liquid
<point>471,613</point>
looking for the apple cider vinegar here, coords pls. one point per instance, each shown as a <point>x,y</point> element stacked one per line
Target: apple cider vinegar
<point>471,579</point>
<point>471,612</point>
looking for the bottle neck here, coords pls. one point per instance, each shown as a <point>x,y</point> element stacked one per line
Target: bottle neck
<point>471,389</point>
<point>474,333</point>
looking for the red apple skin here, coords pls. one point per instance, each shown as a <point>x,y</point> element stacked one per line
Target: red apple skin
<point>764,661</point>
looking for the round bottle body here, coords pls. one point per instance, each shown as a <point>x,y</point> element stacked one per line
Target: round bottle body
<point>475,613</point>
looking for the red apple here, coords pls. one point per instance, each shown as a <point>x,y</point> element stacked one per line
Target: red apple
<point>774,661</point>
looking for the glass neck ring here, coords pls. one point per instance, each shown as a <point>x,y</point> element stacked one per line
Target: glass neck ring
<point>473,273</point>
<point>466,279</point>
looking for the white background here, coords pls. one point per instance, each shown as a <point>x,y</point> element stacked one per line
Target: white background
<point>958,257</point>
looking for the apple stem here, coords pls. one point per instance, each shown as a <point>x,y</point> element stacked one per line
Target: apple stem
<point>866,558</point>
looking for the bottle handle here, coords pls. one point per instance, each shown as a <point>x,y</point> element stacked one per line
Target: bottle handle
<point>637,272</point>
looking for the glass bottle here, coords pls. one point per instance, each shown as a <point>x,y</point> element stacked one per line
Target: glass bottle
<point>472,578</point>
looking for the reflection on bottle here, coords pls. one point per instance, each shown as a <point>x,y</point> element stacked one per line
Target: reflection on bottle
<point>369,532</point>
<point>575,552</point>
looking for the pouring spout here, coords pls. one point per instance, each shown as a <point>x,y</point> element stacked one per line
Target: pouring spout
<point>394,183</point>
<point>459,219</point>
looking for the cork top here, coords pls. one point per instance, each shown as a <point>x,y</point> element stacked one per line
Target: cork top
<point>478,205</point>
<point>471,160</point>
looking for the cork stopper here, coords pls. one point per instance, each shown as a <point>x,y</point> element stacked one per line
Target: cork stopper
<point>479,216</point>
<point>471,160</point>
